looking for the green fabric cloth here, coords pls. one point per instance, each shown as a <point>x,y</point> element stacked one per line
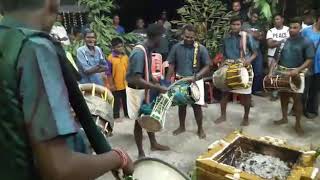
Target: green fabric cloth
<point>35,96</point>
<point>296,51</point>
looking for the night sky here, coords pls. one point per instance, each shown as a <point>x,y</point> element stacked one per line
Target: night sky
<point>150,10</point>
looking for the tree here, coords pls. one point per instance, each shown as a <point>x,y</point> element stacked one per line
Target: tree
<point>211,19</point>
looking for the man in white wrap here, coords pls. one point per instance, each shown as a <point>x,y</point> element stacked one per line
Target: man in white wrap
<point>140,81</point>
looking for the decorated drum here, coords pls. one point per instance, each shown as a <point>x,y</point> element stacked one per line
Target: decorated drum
<point>184,93</point>
<point>281,83</point>
<point>100,102</point>
<point>154,120</point>
<point>239,76</point>
<point>155,169</point>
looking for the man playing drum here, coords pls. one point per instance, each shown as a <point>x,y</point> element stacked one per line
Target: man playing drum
<point>234,49</point>
<point>140,81</point>
<point>181,60</point>
<point>295,58</point>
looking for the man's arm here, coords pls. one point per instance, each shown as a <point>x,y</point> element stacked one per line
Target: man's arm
<point>139,81</point>
<point>172,63</point>
<point>253,49</point>
<point>56,161</point>
<point>206,62</point>
<point>273,44</point>
<point>48,114</point>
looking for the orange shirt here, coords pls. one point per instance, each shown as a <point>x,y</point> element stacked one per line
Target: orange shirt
<point>119,70</point>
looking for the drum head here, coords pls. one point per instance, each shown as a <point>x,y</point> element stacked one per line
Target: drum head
<point>155,169</point>
<point>150,124</point>
<point>244,75</point>
<point>195,92</point>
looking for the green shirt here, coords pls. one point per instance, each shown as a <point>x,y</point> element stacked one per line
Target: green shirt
<point>296,51</point>
<point>35,85</point>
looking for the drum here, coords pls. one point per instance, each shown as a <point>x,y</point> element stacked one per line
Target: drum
<point>155,169</point>
<point>233,75</point>
<point>100,103</point>
<point>154,120</point>
<point>281,83</point>
<point>239,77</point>
<point>184,93</point>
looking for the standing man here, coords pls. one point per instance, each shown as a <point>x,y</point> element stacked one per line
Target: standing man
<point>60,31</point>
<point>91,61</point>
<point>295,58</point>
<point>140,30</point>
<point>116,24</point>
<point>164,17</point>
<point>35,118</point>
<point>238,11</point>
<point>257,32</point>
<point>181,60</point>
<point>275,37</point>
<point>140,81</point>
<point>119,61</point>
<point>313,87</point>
<point>233,49</point>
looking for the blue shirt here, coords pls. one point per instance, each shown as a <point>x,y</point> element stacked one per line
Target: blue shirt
<point>120,29</point>
<point>88,59</point>
<point>231,46</point>
<point>315,38</point>
<point>182,57</point>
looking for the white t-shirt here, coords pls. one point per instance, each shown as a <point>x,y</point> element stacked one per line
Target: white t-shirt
<point>277,35</point>
<point>61,32</point>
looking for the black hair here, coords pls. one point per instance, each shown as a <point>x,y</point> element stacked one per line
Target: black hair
<point>296,20</point>
<point>189,27</point>
<point>17,5</point>
<point>115,16</point>
<point>255,11</point>
<point>155,30</point>
<point>76,30</point>
<point>88,31</point>
<point>138,19</point>
<point>116,41</point>
<point>278,14</point>
<point>236,1</point>
<point>235,18</point>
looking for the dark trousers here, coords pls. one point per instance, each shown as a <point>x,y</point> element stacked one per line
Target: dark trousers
<point>311,95</point>
<point>120,97</point>
<point>257,65</point>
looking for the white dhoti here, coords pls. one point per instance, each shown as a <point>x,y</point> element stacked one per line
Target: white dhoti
<point>135,98</point>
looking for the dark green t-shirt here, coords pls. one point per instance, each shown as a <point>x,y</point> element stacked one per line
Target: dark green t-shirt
<point>34,93</point>
<point>182,57</point>
<point>137,63</point>
<point>296,51</point>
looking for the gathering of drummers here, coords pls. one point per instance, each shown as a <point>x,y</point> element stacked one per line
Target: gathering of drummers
<point>94,91</point>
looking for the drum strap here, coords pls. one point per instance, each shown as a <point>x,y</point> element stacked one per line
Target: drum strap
<point>146,70</point>
<point>195,57</point>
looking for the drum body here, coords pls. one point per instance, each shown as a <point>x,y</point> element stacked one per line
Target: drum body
<point>233,76</point>
<point>154,120</point>
<point>281,83</point>
<point>100,103</point>
<point>239,77</point>
<point>184,93</point>
<point>155,169</point>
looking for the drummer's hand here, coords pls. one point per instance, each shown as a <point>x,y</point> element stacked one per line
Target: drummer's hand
<point>128,170</point>
<point>189,79</point>
<point>162,89</point>
<point>293,73</point>
<point>246,63</point>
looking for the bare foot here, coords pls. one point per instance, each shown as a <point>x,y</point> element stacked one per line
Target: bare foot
<point>220,120</point>
<point>159,147</point>
<point>280,122</point>
<point>299,130</point>
<point>141,155</point>
<point>245,122</point>
<point>179,131</point>
<point>201,134</point>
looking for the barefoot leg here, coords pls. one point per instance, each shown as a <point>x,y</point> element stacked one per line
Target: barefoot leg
<point>298,112</point>
<point>199,119</point>
<point>182,120</point>
<point>138,138</point>
<point>223,108</point>
<point>154,145</point>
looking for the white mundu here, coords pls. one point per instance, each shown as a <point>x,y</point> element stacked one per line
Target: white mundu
<point>277,35</point>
